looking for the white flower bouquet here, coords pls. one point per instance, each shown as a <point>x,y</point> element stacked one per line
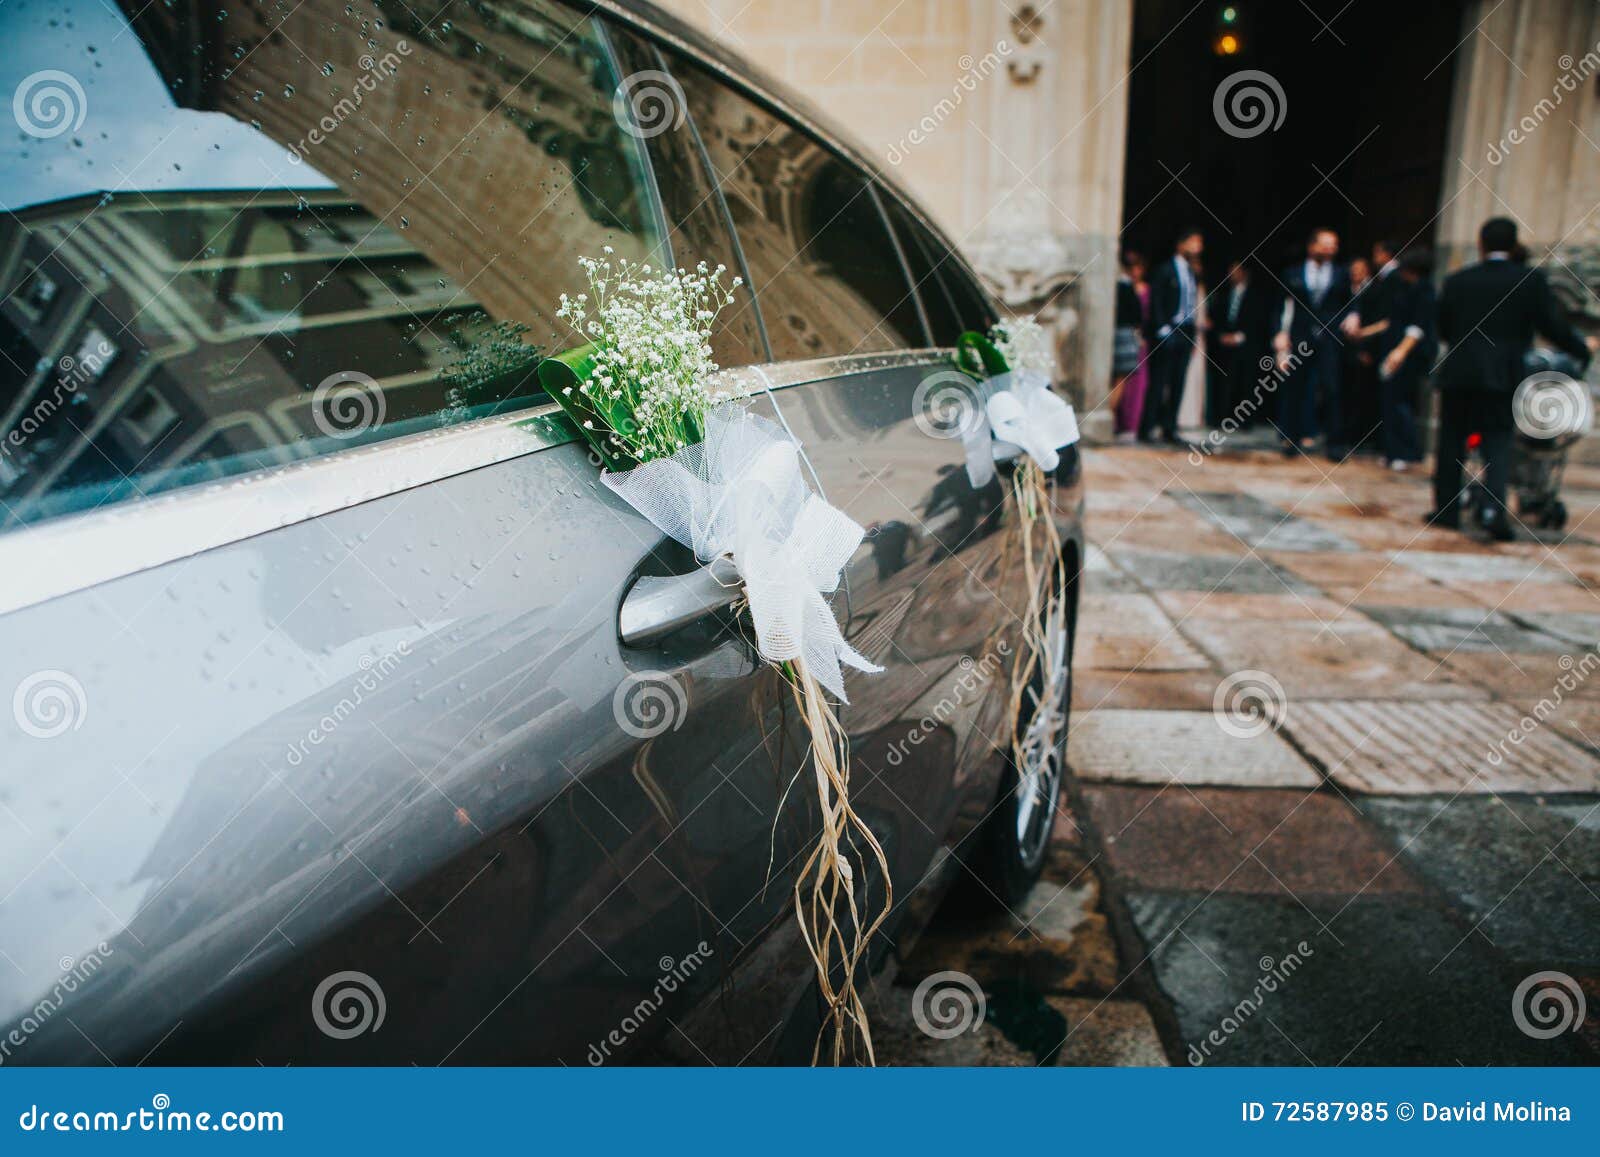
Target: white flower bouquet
<point>1022,418</point>
<point>728,485</point>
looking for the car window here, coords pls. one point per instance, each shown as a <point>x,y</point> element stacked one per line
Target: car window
<point>235,238</point>
<point>692,209</point>
<point>927,258</point>
<point>973,306</point>
<point>826,271</point>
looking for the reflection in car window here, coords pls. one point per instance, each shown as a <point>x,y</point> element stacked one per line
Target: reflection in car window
<point>236,238</point>
<point>952,302</point>
<point>827,274</point>
<point>696,227</point>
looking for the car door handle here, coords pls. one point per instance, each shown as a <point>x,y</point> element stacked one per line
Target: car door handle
<point>657,605</point>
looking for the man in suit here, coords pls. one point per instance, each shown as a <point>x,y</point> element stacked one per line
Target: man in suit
<point>1170,332</point>
<point>1316,295</point>
<point>1239,323</point>
<point>1488,316</point>
<point>1409,341</point>
<point>1365,326</point>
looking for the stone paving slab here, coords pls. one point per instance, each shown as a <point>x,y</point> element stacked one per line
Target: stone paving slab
<point>1169,652</point>
<point>1346,658</point>
<point>1168,690</point>
<point>1102,576</point>
<point>1128,632</point>
<point>1402,588</point>
<point>1516,598</point>
<point>1187,747</point>
<point>1527,871</point>
<point>1107,1032</point>
<point>1172,571</point>
<point>1258,523</point>
<point>1222,605</point>
<point>1450,629</point>
<point>1526,679</point>
<point>1393,981</point>
<point>1274,843</point>
<point>1198,540</point>
<point>1390,747</point>
<point>1582,629</point>
<point>1122,614</point>
<point>1353,568</point>
<point>1481,566</point>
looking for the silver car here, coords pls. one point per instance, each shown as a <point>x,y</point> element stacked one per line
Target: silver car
<point>353,720</point>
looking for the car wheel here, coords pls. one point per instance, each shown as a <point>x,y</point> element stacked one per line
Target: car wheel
<point>1016,835</point>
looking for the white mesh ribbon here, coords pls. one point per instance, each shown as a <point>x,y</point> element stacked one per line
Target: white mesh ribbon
<point>740,496</point>
<point>1022,415</point>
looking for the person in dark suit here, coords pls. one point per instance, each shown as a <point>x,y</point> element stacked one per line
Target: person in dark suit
<point>1409,341</point>
<point>1363,327</point>
<point>1488,316</point>
<point>1239,316</point>
<point>1170,333</point>
<point>1316,296</point>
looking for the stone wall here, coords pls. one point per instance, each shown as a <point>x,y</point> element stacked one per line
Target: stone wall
<point>1007,122</point>
<point>1525,138</point>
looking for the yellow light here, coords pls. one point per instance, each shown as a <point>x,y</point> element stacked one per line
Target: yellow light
<point>1228,45</point>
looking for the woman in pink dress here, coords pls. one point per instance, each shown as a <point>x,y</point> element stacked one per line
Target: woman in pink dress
<point>1129,376</point>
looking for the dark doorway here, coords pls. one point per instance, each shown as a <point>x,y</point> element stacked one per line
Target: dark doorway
<point>1361,145</point>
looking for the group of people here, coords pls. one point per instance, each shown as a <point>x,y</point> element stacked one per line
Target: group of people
<point>1338,352</point>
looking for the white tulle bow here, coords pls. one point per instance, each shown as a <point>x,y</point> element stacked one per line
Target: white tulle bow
<point>1020,415</point>
<point>739,496</point>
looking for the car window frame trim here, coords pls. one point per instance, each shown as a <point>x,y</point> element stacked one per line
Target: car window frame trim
<point>74,552</point>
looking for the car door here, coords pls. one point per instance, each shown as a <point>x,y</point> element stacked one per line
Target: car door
<point>310,610</point>
<point>858,370</point>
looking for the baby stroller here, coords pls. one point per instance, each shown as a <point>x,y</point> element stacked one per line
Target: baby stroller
<point>1553,411</point>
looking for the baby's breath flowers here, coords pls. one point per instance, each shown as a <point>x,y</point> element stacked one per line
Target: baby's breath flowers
<point>648,333</point>
<point>1024,344</point>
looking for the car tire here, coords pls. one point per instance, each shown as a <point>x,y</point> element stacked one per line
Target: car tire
<point>1013,842</point>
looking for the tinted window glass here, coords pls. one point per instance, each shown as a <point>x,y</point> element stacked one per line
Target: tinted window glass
<point>926,256</point>
<point>826,271</point>
<point>241,237</point>
<point>691,206</point>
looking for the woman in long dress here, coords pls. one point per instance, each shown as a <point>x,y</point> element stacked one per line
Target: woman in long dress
<point>1130,376</point>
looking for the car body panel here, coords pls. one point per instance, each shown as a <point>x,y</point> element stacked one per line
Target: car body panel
<point>366,714</point>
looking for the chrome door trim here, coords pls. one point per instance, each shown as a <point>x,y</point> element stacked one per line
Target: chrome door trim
<point>71,553</point>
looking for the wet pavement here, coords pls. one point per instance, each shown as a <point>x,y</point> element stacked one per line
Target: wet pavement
<point>1334,792</point>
